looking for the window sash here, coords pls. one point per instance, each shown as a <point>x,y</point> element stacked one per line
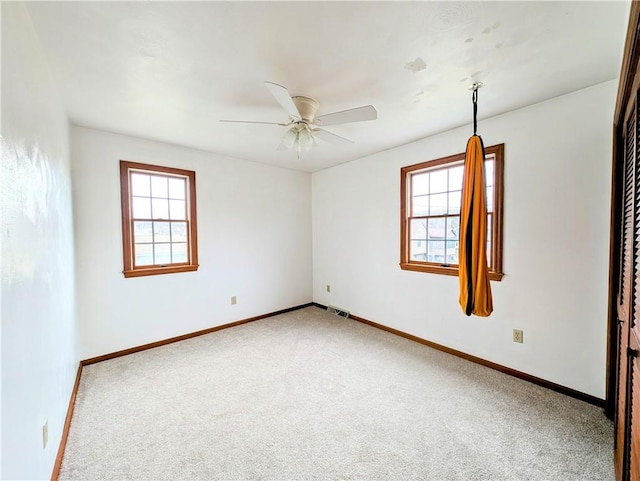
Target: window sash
<point>447,260</point>
<point>153,242</point>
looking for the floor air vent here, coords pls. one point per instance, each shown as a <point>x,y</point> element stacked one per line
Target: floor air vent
<point>337,311</point>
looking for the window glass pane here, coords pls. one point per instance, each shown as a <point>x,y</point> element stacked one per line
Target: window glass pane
<point>141,185</point>
<point>453,228</point>
<point>438,204</point>
<point>141,208</point>
<point>438,181</point>
<point>488,172</point>
<point>418,251</point>
<point>489,199</point>
<point>420,184</point>
<point>452,252</point>
<point>162,253</point>
<point>179,252</point>
<point>142,232</point>
<point>420,205</point>
<point>177,209</point>
<point>454,202</point>
<point>160,208</point>
<point>435,251</point>
<point>161,232</point>
<point>143,254</point>
<point>436,228</point>
<point>178,231</point>
<point>418,229</point>
<point>177,188</point>
<point>455,177</point>
<point>159,187</point>
<point>489,255</point>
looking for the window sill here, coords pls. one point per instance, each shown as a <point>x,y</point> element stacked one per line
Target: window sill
<point>154,271</point>
<point>438,269</point>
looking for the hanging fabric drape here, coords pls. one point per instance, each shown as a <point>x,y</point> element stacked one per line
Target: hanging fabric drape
<point>475,289</point>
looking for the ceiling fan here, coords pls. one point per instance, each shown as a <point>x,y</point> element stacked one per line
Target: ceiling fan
<point>304,126</point>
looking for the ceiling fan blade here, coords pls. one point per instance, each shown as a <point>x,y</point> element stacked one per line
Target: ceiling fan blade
<point>331,137</point>
<point>253,122</point>
<point>358,114</point>
<point>281,94</point>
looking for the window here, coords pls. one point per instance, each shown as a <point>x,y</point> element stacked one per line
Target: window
<point>158,219</point>
<point>431,193</point>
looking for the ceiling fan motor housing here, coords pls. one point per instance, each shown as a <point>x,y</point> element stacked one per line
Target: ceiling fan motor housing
<point>306,106</point>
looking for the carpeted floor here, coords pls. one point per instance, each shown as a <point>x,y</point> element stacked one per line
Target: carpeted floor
<point>308,395</point>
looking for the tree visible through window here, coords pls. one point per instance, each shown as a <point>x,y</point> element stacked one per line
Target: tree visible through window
<point>158,219</point>
<point>430,210</point>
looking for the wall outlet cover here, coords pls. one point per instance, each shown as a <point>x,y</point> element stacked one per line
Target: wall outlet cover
<point>518,336</point>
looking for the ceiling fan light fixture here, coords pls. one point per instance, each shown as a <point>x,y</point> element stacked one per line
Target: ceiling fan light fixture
<point>305,140</point>
<point>289,138</point>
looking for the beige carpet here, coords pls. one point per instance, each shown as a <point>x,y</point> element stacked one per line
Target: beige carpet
<point>308,395</point>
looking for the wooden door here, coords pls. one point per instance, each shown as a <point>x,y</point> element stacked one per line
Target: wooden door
<point>624,361</point>
<point>624,295</point>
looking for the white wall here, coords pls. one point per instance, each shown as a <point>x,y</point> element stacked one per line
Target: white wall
<point>38,327</point>
<point>254,242</point>
<point>556,242</point>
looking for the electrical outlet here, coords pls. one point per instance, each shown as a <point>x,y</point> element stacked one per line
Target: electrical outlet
<point>328,288</point>
<point>45,434</point>
<point>234,300</point>
<point>518,336</point>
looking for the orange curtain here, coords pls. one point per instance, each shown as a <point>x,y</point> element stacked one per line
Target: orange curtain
<point>475,290</point>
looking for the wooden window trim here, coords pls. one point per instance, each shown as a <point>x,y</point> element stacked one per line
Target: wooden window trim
<point>495,272</point>
<point>127,219</point>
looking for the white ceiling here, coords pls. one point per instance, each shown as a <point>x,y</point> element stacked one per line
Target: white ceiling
<point>170,71</point>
